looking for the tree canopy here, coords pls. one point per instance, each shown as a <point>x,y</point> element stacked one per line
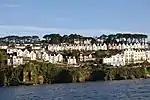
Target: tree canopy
<point>57,38</point>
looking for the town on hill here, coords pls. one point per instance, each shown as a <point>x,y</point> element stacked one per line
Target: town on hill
<point>110,51</point>
<point>114,49</point>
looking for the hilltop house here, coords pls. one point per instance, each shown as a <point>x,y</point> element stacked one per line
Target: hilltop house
<point>114,60</point>
<point>20,53</point>
<point>72,60</point>
<point>128,56</point>
<point>26,53</point>
<point>3,47</point>
<point>45,56</point>
<point>14,61</point>
<point>84,58</point>
<point>11,50</point>
<point>60,58</point>
<point>33,55</point>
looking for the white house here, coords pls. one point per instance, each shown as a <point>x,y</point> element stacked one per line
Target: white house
<point>94,47</point>
<point>76,41</point>
<point>104,46</point>
<point>88,58</point>
<point>60,58</point>
<point>11,50</point>
<point>33,55</point>
<point>51,58</point>
<point>20,47</point>
<point>128,56</point>
<point>20,53</point>
<point>123,46</point>
<point>134,56</point>
<point>3,47</point>
<point>99,46</point>
<point>81,57</point>
<point>115,60</point>
<point>26,53</point>
<point>36,47</point>
<point>14,61</point>
<point>87,41</point>
<point>55,59</point>
<point>148,55</point>
<point>38,54</point>
<point>45,56</point>
<point>72,60</point>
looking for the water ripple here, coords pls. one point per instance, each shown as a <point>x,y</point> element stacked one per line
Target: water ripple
<point>111,90</point>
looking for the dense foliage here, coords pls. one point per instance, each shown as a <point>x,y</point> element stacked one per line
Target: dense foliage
<point>123,38</point>
<point>19,39</point>
<point>53,74</point>
<point>57,38</point>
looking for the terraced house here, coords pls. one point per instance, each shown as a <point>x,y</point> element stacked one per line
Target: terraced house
<point>54,48</point>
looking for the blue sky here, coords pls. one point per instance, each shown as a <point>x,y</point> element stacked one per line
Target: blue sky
<point>86,17</point>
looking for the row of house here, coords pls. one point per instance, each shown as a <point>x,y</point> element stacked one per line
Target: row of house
<point>87,46</point>
<point>84,58</point>
<point>19,56</point>
<point>52,58</point>
<point>95,47</point>
<point>82,41</point>
<point>18,46</point>
<point>14,61</point>
<point>128,56</point>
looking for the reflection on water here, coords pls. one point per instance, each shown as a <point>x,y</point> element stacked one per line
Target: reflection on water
<point>112,90</point>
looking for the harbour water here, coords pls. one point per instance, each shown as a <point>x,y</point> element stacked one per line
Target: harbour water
<point>110,90</point>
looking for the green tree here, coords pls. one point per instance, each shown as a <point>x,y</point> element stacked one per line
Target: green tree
<point>53,38</point>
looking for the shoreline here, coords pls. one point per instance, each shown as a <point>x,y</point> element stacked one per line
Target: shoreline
<point>115,80</point>
<point>75,83</point>
<point>35,73</point>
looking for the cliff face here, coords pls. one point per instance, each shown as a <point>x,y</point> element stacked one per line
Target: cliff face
<point>2,78</point>
<point>39,73</point>
<point>80,75</point>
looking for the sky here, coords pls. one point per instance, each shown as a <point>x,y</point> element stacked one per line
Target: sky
<point>85,17</point>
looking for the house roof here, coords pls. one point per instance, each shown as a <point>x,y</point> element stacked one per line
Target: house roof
<point>13,54</point>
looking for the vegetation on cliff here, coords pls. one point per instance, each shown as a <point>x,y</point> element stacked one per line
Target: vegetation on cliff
<point>48,73</point>
<point>44,72</point>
